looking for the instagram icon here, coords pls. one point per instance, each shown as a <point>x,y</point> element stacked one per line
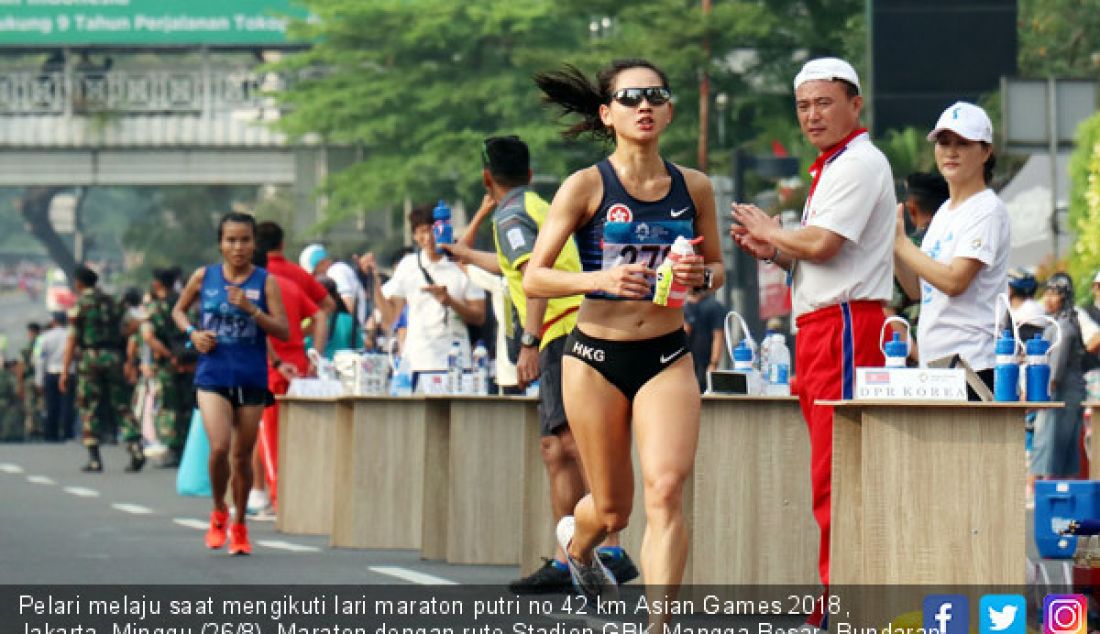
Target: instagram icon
<point>1064,614</point>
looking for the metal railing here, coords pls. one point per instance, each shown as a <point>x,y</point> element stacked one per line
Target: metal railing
<point>133,92</point>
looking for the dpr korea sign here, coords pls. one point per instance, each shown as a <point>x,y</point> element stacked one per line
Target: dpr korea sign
<point>26,23</point>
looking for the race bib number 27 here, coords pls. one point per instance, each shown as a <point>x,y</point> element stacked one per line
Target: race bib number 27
<point>645,243</point>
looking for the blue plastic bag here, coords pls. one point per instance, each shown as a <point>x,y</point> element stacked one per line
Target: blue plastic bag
<point>193,477</point>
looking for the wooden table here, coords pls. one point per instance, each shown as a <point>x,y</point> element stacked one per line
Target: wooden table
<point>928,493</point>
<point>383,459</point>
<point>307,444</point>
<point>486,448</point>
<point>747,502</point>
<point>752,515</point>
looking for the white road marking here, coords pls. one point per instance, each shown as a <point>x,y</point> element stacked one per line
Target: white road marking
<point>412,575</point>
<point>7,467</point>
<point>40,479</point>
<point>281,545</point>
<point>82,492</point>
<point>134,509</point>
<point>191,523</point>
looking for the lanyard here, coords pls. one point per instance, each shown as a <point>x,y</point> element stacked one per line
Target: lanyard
<point>823,159</point>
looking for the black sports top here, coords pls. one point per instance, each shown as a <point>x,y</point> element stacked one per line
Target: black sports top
<point>625,230</point>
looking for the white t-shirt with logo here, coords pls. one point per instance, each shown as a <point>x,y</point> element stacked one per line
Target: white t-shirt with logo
<point>855,199</point>
<point>977,229</point>
<point>432,327</point>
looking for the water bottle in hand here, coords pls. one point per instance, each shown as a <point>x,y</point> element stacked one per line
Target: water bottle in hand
<point>441,225</point>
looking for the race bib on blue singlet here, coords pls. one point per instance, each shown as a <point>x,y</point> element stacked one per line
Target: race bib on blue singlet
<point>229,323</point>
<point>641,242</point>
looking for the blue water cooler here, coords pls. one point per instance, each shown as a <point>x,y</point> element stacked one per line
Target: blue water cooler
<point>1056,503</point>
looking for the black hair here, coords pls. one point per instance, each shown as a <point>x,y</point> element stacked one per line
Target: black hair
<point>269,236</point>
<point>259,258</point>
<point>131,297</point>
<point>420,215</point>
<point>929,190</point>
<point>236,216</point>
<point>508,160</point>
<point>990,163</point>
<point>570,89</point>
<point>849,88</point>
<point>330,286</point>
<point>86,276</point>
<point>34,327</point>
<point>398,254</point>
<point>166,277</point>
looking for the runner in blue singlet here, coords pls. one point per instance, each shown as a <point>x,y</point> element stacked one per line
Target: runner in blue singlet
<point>627,363</point>
<point>239,305</point>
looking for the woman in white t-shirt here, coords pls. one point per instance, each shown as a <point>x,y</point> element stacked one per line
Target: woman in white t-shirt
<point>961,266</point>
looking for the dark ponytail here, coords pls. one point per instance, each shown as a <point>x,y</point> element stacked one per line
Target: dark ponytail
<point>987,167</point>
<point>571,90</point>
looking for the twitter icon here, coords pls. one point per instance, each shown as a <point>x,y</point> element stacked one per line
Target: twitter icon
<point>1002,614</point>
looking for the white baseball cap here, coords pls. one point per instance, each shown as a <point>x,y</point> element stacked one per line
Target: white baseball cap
<point>966,120</point>
<point>311,256</point>
<point>829,69</point>
<point>1096,280</point>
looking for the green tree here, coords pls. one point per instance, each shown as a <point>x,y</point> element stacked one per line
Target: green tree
<point>1059,37</point>
<point>1084,205</point>
<point>172,212</point>
<point>417,84</point>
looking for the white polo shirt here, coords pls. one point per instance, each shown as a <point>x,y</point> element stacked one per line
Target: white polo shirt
<point>432,327</point>
<point>855,199</point>
<point>977,229</point>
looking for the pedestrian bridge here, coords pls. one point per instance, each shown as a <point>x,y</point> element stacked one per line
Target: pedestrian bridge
<point>147,127</point>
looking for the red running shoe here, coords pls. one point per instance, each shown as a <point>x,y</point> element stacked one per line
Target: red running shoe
<point>238,540</point>
<point>215,536</point>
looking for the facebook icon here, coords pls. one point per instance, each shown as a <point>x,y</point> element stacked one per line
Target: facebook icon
<point>946,614</point>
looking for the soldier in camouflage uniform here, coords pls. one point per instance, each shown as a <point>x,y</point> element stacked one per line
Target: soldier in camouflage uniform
<point>170,370</point>
<point>29,393</point>
<point>11,410</point>
<point>96,328</point>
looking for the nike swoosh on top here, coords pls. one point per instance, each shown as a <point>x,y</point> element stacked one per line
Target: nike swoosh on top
<point>678,213</point>
<point>666,359</point>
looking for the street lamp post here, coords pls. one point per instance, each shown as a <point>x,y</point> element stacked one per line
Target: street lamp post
<point>722,101</point>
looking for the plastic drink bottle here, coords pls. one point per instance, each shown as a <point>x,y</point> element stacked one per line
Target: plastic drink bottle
<point>401,382</point>
<point>742,357</point>
<point>779,366</point>
<point>1006,372</point>
<point>765,355</point>
<point>481,369</point>
<point>666,290</point>
<point>441,227</point>
<point>454,368</point>
<point>1038,369</point>
<point>897,351</point>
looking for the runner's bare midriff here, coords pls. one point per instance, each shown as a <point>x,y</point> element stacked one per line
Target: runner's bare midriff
<point>627,320</point>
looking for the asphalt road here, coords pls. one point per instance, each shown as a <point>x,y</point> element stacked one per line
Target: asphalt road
<point>59,525</point>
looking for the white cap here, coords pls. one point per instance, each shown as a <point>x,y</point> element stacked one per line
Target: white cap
<point>966,120</point>
<point>1096,280</point>
<point>829,69</point>
<point>311,256</point>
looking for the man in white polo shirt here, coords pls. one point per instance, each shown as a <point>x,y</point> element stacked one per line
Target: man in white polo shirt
<point>441,299</point>
<point>840,259</point>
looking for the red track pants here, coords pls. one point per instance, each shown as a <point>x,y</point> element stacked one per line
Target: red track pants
<point>268,444</point>
<point>831,342</point>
